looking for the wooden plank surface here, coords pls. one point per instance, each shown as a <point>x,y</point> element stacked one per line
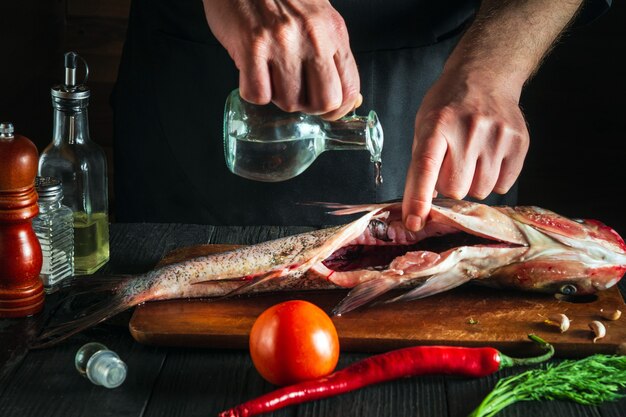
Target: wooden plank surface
<point>469,316</point>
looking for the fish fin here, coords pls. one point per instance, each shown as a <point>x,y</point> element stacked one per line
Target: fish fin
<point>364,293</point>
<point>79,285</point>
<point>338,209</point>
<point>91,315</point>
<point>254,282</point>
<point>434,285</point>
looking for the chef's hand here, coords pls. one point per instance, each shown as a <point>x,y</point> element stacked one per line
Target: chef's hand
<point>294,54</point>
<point>470,139</point>
<point>470,134</point>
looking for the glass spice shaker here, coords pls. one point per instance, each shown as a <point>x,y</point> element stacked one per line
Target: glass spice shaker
<point>100,365</point>
<point>80,165</point>
<point>54,229</point>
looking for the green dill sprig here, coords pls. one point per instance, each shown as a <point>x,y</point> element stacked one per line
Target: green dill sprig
<point>590,381</point>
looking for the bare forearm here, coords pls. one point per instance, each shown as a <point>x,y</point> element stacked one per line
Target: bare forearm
<point>508,39</point>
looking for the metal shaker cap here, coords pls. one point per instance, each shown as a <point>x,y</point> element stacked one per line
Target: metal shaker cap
<point>49,189</point>
<point>6,130</point>
<point>70,90</point>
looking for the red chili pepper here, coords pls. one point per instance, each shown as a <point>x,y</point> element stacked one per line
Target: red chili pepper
<point>401,363</point>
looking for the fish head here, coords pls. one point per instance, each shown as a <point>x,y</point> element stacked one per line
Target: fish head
<point>565,256</point>
<point>525,248</point>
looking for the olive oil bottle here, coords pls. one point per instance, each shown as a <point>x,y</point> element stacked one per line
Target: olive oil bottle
<point>80,164</point>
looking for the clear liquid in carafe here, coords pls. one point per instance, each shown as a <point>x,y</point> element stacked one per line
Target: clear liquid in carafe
<point>276,160</point>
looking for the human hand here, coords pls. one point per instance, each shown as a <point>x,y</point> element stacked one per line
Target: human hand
<point>470,138</point>
<point>294,54</point>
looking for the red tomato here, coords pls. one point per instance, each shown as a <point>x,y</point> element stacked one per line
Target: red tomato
<point>292,342</point>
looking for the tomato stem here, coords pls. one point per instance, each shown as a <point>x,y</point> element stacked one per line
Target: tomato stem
<point>507,361</point>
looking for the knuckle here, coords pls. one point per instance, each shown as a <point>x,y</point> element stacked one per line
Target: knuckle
<point>338,25</point>
<point>259,44</point>
<point>521,142</point>
<point>285,32</point>
<point>517,138</point>
<point>480,121</point>
<point>442,116</point>
<point>436,120</point>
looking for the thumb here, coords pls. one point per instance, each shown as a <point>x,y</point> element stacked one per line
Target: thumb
<point>421,180</point>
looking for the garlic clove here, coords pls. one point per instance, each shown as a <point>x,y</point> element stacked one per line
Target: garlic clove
<point>611,315</point>
<point>598,330</point>
<point>558,320</point>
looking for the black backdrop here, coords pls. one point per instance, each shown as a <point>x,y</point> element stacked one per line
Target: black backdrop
<point>574,106</point>
<point>575,110</point>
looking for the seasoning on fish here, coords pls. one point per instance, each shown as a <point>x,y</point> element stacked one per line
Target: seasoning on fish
<point>525,248</point>
<point>401,363</point>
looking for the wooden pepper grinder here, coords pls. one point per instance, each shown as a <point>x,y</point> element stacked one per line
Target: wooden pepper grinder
<point>21,289</point>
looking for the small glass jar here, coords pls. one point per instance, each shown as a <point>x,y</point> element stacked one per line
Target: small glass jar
<point>54,229</point>
<point>100,365</point>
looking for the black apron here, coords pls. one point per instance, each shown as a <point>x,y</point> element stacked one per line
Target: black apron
<point>169,104</point>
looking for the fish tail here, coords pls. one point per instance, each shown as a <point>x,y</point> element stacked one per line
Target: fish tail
<point>125,291</point>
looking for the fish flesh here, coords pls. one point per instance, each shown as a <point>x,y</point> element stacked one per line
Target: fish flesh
<point>526,248</point>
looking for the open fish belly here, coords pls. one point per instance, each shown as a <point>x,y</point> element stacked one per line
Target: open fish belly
<point>526,248</point>
<point>523,248</point>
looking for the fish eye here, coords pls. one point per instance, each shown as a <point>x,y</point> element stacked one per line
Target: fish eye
<point>568,289</point>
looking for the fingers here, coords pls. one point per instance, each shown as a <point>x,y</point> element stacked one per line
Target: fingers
<point>306,65</point>
<point>485,178</point>
<point>421,178</point>
<point>323,86</point>
<point>350,86</point>
<point>288,92</point>
<point>254,81</point>
<point>457,172</point>
<point>510,170</point>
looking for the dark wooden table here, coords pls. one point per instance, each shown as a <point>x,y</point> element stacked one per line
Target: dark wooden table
<point>200,382</point>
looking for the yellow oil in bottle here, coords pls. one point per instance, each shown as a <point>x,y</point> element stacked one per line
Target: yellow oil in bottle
<point>91,242</point>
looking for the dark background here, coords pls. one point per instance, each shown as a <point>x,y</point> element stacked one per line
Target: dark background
<point>573,105</point>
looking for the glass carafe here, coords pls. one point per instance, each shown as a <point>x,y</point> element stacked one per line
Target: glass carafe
<point>264,143</point>
<point>80,164</point>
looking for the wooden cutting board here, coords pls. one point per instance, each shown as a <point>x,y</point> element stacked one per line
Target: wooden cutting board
<point>468,316</point>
